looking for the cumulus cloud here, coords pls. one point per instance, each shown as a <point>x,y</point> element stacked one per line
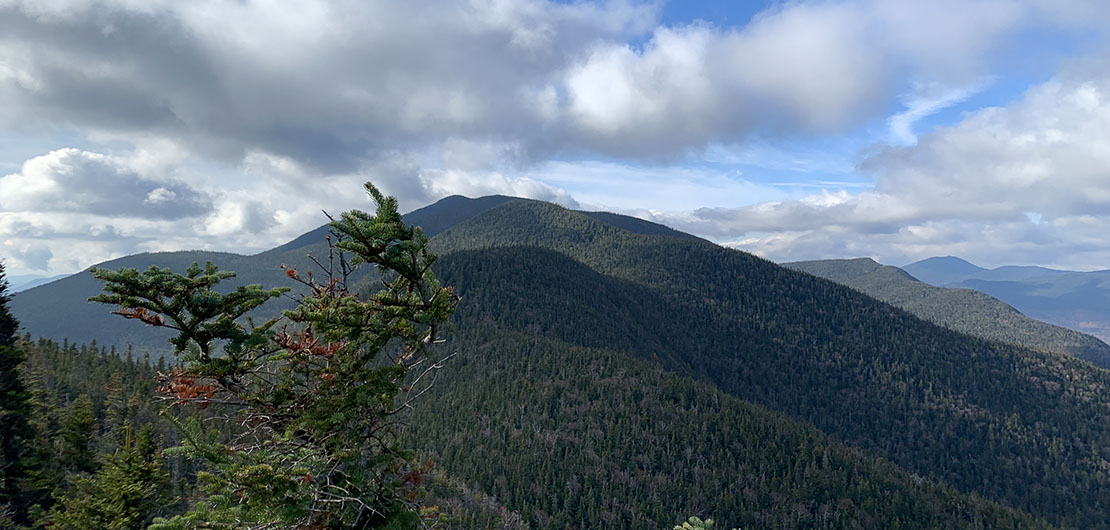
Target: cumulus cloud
<point>72,180</point>
<point>332,84</point>
<point>32,256</point>
<point>696,84</point>
<point>326,83</point>
<point>1027,181</point>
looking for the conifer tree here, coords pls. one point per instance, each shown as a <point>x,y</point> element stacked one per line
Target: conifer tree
<point>76,453</point>
<point>131,485</point>
<point>15,409</point>
<point>309,398</point>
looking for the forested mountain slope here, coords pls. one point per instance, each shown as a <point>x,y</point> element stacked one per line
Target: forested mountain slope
<point>568,437</point>
<point>963,310</point>
<point>575,437</point>
<point>1029,428</point>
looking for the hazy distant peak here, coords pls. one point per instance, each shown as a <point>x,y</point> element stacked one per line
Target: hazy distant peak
<point>942,270</point>
<point>948,261</point>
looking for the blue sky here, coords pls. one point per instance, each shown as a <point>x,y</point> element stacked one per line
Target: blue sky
<point>893,129</point>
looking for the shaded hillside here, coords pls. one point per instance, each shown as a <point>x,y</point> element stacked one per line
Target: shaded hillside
<point>60,310</point>
<point>1075,300</point>
<point>575,437</point>
<point>964,310</point>
<point>1029,428</point>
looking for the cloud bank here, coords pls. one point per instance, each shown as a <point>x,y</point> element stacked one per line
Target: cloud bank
<point>229,125</point>
<point>1029,181</point>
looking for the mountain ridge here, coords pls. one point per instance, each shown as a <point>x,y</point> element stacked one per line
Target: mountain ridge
<point>1072,299</point>
<point>961,309</point>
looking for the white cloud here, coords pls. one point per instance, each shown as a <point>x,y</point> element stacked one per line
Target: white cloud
<point>332,84</point>
<point>639,189</point>
<point>209,132</point>
<point>801,68</point>
<point>441,183</point>
<point>72,180</point>
<point>1027,182</point>
<point>925,101</point>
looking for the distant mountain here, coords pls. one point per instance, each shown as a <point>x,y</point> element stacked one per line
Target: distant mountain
<point>942,270</point>
<point>1075,300</point>
<point>23,282</point>
<point>620,377</point>
<point>963,310</point>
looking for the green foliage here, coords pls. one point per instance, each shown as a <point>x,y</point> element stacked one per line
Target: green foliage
<point>79,427</point>
<point>131,485</point>
<point>569,436</point>
<point>185,303</point>
<point>309,437</point>
<point>15,411</point>
<point>8,323</point>
<point>71,435</point>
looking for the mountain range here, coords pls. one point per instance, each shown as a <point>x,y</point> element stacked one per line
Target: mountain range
<point>23,282</point>
<point>1072,299</point>
<point>965,310</point>
<point>613,372</point>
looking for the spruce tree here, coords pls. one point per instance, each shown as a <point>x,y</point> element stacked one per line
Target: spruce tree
<point>309,399</point>
<point>15,409</point>
<point>79,426</point>
<point>131,485</point>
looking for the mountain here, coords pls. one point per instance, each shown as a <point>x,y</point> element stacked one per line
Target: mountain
<point>42,316</point>
<point>431,219</point>
<point>942,270</point>
<point>608,374</point>
<point>963,310</point>
<point>938,403</point>
<point>59,310</point>
<point>1075,300</point>
<point>23,282</point>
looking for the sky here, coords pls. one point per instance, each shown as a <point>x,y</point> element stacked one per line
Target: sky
<point>893,129</point>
